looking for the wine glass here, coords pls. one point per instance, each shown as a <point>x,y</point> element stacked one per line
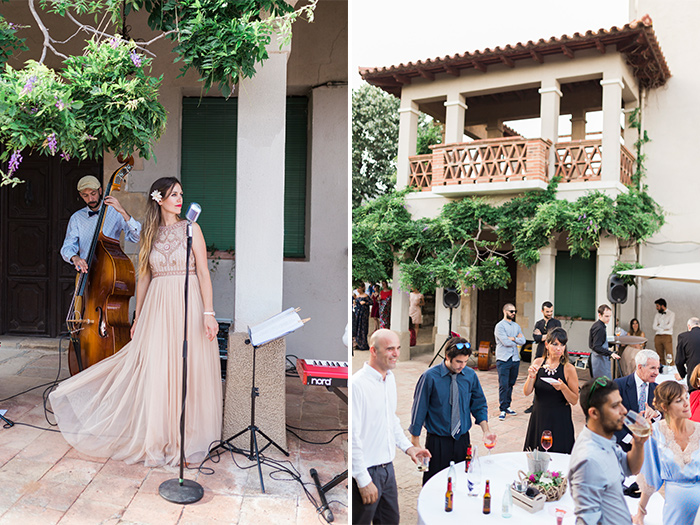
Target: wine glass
<point>547,439</point>
<point>638,424</point>
<point>669,359</point>
<point>489,444</point>
<point>423,464</point>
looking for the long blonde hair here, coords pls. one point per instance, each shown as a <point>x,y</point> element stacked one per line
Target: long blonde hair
<point>152,221</point>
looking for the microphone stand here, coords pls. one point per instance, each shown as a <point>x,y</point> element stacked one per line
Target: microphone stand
<point>183,491</point>
<point>449,336</point>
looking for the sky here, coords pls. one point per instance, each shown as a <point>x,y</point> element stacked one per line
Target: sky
<point>389,32</point>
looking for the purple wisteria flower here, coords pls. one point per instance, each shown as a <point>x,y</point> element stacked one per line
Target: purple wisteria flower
<point>65,156</point>
<point>59,103</point>
<point>29,86</point>
<point>135,58</point>
<point>114,43</point>
<point>15,159</point>
<point>53,143</point>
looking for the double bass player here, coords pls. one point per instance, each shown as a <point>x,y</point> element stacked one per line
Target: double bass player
<point>82,224</point>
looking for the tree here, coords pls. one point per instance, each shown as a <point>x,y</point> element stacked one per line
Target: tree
<point>375,137</point>
<point>106,99</point>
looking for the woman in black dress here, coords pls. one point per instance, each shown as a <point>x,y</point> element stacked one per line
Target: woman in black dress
<point>554,380</point>
<point>360,317</point>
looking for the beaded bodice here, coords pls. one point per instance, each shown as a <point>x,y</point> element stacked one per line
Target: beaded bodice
<point>169,250</point>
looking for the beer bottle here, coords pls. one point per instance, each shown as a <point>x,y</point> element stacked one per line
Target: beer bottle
<point>468,460</point>
<point>448,496</point>
<point>487,498</point>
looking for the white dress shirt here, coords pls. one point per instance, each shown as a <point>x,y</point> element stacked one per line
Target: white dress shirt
<point>663,323</point>
<point>376,429</point>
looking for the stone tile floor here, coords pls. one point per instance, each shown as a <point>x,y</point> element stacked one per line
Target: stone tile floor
<point>511,432</point>
<point>45,481</point>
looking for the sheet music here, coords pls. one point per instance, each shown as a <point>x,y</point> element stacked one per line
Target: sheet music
<point>275,327</point>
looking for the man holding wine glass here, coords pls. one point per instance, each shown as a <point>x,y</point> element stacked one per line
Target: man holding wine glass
<point>446,397</point>
<point>596,485</point>
<point>637,392</point>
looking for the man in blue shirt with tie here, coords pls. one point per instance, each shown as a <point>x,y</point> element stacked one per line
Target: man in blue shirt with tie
<point>446,397</point>
<point>82,224</point>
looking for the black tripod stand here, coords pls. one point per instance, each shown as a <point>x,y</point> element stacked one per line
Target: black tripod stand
<point>254,452</point>
<point>8,423</point>
<point>449,336</point>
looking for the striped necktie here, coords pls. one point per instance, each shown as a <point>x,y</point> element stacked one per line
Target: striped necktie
<point>642,398</point>
<point>455,424</point>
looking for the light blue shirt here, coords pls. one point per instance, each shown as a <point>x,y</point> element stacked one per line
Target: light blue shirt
<point>596,471</point>
<point>81,229</point>
<point>506,348</point>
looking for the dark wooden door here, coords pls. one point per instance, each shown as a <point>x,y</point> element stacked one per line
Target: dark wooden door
<point>37,285</point>
<point>490,307</point>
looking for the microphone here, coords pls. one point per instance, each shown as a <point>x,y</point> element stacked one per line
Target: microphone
<point>193,212</point>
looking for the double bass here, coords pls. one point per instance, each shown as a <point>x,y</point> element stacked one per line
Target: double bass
<point>98,319</point>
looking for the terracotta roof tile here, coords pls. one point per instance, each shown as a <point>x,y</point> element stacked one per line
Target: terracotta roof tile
<point>636,40</point>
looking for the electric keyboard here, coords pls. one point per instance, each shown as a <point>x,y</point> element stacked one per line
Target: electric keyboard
<point>323,373</point>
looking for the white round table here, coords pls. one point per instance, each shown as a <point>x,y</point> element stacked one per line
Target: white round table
<point>499,470</point>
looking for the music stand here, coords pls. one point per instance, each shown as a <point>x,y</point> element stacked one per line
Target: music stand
<point>274,328</point>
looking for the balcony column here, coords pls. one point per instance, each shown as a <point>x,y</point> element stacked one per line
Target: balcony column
<point>550,102</point>
<point>399,314</point>
<point>612,108</point>
<point>607,255</point>
<point>494,129</point>
<point>454,118</point>
<point>408,140</point>
<point>578,124</point>
<point>544,277</point>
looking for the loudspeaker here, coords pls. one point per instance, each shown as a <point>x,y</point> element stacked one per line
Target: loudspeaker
<point>450,298</point>
<point>617,290</point>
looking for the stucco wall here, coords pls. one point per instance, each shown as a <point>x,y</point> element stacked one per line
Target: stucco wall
<point>670,115</point>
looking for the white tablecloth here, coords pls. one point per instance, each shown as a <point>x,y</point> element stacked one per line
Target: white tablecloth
<point>504,469</point>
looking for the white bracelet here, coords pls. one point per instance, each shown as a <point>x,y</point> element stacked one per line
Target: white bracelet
<point>642,510</point>
<point>210,313</point>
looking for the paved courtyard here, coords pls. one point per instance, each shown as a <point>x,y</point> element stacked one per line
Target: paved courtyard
<point>45,481</point>
<point>511,432</point>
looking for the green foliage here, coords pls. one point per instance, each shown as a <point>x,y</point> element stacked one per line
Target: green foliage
<point>635,122</point>
<point>375,136</point>
<point>9,41</point>
<point>100,101</point>
<point>462,247</point>
<point>620,266</point>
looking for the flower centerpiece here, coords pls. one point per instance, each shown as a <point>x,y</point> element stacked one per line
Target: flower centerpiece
<point>550,483</point>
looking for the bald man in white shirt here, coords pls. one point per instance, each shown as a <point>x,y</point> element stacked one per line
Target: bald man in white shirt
<point>376,432</point>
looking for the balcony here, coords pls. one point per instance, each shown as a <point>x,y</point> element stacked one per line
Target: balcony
<point>509,165</point>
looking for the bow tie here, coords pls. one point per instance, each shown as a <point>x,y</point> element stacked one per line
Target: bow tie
<point>91,213</point>
<point>663,312</point>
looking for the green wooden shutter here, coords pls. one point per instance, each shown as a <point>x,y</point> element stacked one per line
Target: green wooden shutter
<point>574,285</point>
<point>208,174</point>
<point>295,177</point>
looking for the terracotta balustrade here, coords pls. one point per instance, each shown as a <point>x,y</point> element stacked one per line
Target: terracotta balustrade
<point>511,159</point>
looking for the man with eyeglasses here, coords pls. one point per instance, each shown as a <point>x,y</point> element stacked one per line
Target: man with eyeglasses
<point>596,484</point>
<point>508,336</point>
<point>446,397</point>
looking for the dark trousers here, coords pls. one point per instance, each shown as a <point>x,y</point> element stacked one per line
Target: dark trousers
<point>444,449</point>
<point>507,374</point>
<point>386,509</point>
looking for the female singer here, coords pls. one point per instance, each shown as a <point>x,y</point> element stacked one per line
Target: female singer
<point>127,407</point>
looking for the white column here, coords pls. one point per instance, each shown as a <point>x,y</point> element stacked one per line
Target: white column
<point>455,110</point>
<point>259,247</point>
<point>408,139</point>
<point>544,277</point>
<point>550,101</point>
<point>442,320</point>
<point>612,108</point>
<point>399,314</point>
<point>607,255</point>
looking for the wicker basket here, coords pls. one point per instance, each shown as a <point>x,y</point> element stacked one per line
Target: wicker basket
<point>552,492</point>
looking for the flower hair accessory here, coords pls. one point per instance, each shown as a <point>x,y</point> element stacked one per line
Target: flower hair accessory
<point>156,196</point>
